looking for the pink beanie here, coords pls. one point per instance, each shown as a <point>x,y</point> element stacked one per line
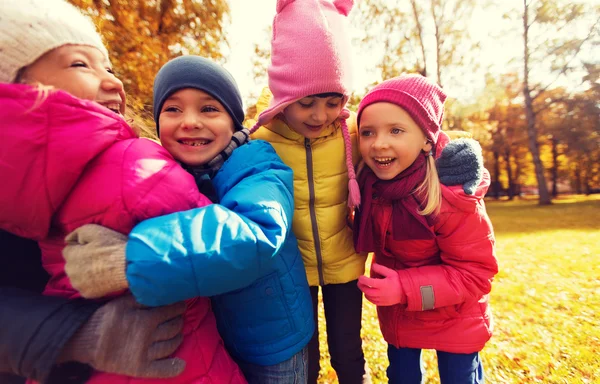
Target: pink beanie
<point>309,52</point>
<point>420,97</point>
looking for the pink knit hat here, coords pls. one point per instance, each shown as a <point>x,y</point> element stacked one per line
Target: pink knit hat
<point>420,97</point>
<point>309,52</point>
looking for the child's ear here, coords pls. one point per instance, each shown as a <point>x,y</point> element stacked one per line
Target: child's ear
<point>427,147</point>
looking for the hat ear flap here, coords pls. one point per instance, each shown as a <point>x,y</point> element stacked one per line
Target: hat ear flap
<point>344,6</point>
<point>282,4</point>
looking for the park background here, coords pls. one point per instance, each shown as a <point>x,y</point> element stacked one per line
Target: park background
<point>523,78</point>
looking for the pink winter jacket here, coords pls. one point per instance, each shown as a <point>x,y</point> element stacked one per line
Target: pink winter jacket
<point>67,162</point>
<point>446,280</point>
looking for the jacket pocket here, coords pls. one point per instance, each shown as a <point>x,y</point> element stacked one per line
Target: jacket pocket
<point>255,315</point>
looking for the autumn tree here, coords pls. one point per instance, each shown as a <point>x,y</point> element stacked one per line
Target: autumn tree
<point>403,26</point>
<point>143,35</point>
<point>551,44</point>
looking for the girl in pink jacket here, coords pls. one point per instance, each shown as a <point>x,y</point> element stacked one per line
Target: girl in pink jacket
<point>434,245</point>
<point>73,160</point>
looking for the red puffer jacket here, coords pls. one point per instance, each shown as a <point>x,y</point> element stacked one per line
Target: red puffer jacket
<point>446,280</point>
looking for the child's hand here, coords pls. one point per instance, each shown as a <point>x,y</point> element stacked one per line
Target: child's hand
<point>95,260</point>
<point>384,291</point>
<point>461,163</point>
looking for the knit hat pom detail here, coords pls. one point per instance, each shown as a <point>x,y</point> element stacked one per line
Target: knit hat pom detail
<point>282,4</point>
<point>344,6</point>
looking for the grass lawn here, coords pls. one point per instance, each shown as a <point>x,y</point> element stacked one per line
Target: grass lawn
<point>545,299</point>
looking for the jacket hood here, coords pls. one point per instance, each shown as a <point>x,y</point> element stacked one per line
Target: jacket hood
<point>456,197</point>
<point>46,141</point>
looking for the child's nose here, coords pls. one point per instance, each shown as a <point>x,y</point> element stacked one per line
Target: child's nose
<point>190,121</point>
<point>111,83</point>
<point>319,114</point>
<point>380,142</point>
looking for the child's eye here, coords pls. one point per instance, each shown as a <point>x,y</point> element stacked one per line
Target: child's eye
<point>80,64</point>
<point>366,133</point>
<point>209,108</point>
<point>396,131</point>
<point>304,105</point>
<point>171,109</point>
<point>334,103</point>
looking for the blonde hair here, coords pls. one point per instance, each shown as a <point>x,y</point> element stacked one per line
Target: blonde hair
<point>430,189</point>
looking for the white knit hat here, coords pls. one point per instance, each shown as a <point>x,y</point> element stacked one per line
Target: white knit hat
<point>30,28</point>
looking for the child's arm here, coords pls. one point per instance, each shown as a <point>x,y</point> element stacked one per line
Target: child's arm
<point>199,252</point>
<point>466,242</point>
<point>221,247</point>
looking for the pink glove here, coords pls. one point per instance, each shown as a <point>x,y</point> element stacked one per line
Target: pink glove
<point>383,291</point>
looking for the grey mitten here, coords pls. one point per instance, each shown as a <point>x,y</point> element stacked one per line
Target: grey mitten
<point>126,338</point>
<point>461,163</point>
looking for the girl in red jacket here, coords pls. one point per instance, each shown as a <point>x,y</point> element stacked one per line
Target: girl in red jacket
<point>434,245</point>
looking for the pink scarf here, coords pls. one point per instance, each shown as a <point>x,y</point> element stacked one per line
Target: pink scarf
<point>407,223</point>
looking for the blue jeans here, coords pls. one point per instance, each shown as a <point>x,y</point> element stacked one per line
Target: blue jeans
<point>292,371</point>
<point>455,368</point>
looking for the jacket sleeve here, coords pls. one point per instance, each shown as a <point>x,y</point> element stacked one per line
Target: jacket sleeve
<point>220,247</point>
<point>466,243</point>
<point>35,328</point>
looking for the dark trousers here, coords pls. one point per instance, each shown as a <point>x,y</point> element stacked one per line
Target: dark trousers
<point>343,310</point>
<point>455,368</point>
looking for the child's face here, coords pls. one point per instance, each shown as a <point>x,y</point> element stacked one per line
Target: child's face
<point>390,140</point>
<point>194,127</point>
<point>82,71</point>
<point>310,115</point>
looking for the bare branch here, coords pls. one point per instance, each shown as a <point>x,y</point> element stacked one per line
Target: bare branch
<point>577,50</point>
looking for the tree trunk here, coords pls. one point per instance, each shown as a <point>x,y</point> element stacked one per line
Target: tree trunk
<point>554,142</point>
<point>496,183</point>
<point>578,178</point>
<point>436,24</point>
<point>511,187</point>
<point>420,31</point>
<point>544,198</point>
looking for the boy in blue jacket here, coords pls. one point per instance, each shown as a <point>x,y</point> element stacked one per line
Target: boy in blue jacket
<point>240,251</point>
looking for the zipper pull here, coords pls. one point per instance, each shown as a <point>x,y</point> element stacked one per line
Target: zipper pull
<point>307,143</point>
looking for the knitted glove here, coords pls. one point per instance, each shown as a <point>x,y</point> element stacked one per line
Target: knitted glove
<point>383,291</point>
<point>124,338</point>
<point>95,260</point>
<point>461,162</point>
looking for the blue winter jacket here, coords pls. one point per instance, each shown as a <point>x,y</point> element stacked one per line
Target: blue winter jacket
<point>242,252</point>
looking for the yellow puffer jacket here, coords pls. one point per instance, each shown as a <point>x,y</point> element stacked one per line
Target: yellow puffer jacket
<point>320,194</point>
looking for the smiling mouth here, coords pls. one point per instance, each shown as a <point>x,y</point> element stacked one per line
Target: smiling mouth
<point>384,162</point>
<point>115,107</point>
<point>194,143</point>
<point>314,127</point>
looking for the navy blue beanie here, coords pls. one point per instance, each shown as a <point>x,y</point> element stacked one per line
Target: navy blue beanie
<point>198,73</point>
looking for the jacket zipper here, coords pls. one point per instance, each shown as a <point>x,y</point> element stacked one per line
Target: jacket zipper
<point>313,212</point>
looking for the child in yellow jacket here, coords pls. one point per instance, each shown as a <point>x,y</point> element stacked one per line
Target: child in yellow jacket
<point>303,117</point>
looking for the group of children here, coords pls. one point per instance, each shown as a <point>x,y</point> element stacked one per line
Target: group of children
<point>246,222</point>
